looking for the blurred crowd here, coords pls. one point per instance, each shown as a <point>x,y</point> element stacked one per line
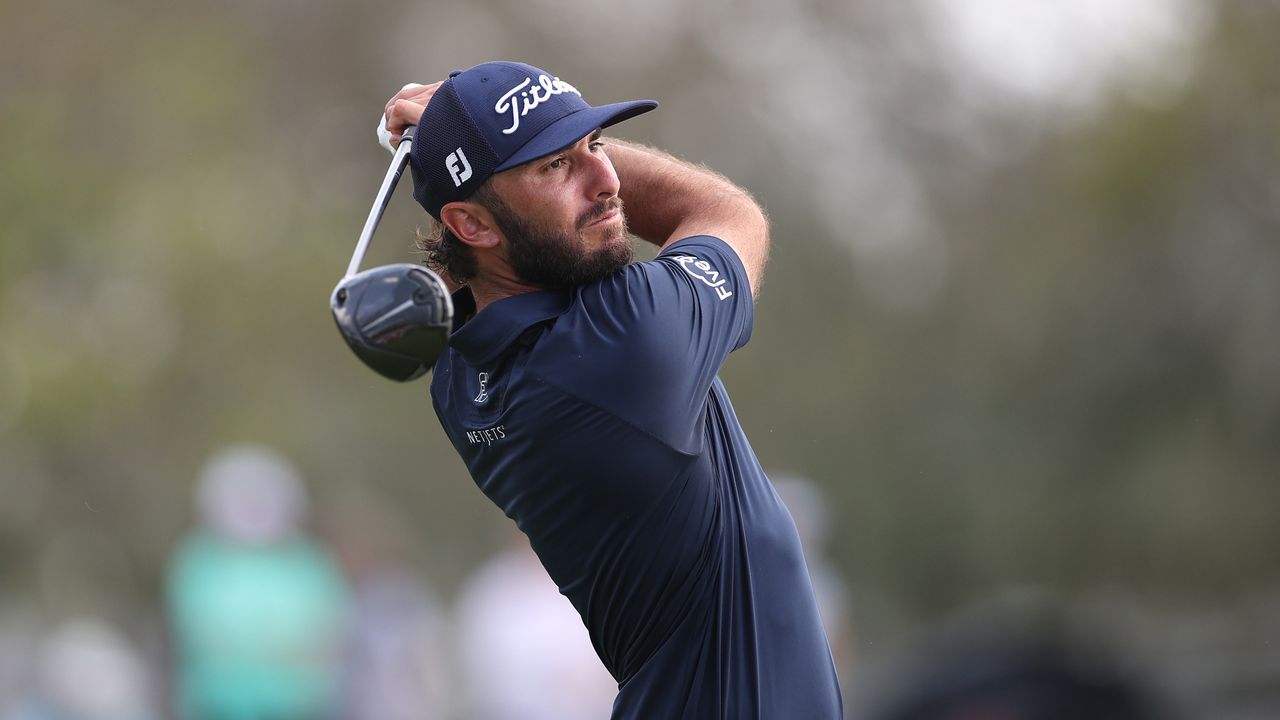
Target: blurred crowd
<point>266,619</point>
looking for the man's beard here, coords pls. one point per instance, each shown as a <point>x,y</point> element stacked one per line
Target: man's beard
<point>554,258</point>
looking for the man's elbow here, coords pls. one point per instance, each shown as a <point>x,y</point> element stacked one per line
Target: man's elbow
<point>753,236</point>
<point>760,219</point>
<point>758,229</point>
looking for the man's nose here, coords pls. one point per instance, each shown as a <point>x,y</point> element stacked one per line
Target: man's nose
<point>604,179</point>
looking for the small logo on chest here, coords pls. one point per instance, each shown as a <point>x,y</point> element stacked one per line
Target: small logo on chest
<point>484,391</point>
<point>487,436</point>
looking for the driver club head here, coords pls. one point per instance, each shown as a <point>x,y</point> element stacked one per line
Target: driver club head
<point>396,318</point>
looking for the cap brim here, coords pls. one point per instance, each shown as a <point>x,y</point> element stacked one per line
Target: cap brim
<point>572,128</point>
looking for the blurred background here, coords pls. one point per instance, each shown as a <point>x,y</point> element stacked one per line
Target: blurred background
<point>1018,349</point>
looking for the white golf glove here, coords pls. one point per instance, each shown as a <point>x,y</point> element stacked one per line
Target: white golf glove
<point>384,135</point>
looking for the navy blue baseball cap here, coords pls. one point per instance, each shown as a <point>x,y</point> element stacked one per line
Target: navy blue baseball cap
<point>496,116</point>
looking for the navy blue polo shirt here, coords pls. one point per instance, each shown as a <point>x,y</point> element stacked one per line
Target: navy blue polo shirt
<point>595,419</point>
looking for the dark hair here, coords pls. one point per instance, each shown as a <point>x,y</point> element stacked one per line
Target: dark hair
<point>448,255</point>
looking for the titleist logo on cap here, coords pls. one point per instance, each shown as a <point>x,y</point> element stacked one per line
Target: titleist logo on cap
<point>530,98</point>
<point>494,117</point>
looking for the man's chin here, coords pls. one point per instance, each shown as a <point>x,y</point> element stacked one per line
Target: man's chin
<point>549,261</point>
<point>616,251</point>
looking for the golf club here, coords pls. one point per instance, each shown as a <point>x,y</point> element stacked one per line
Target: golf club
<point>396,318</point>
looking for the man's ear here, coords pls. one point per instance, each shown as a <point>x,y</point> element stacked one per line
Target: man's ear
<point>471,223</point>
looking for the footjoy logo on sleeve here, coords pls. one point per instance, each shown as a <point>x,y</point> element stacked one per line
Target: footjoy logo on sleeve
<point>702,270</point>
<point>531,96</point>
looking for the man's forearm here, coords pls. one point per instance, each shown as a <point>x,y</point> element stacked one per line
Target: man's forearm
<point>657,189</point>
<point>667,199</point>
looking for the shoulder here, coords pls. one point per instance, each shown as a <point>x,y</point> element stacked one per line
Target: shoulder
<point>711,262</point>
<point>691,271</point>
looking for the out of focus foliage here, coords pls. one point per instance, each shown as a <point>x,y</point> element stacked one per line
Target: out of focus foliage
<point>1019,338</point>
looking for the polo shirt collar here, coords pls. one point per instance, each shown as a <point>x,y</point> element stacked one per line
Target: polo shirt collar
<point>485,336</point>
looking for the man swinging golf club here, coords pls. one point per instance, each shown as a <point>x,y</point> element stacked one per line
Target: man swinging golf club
<point>581,389</point>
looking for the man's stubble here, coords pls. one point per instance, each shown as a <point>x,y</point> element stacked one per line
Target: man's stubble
<point>555,258</point>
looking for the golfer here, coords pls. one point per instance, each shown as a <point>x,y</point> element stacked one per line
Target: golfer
<point>581,390</point>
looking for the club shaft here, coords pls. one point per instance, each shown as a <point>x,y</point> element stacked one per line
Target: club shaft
<point>398,162</point>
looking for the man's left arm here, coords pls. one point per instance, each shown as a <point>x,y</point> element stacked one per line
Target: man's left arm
<point>667,199</point>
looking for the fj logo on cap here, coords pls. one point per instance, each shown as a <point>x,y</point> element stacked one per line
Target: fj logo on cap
<point>530,98</point>
<point>459,168</point>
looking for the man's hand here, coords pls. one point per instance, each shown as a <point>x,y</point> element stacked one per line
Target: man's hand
<point>405,108</point>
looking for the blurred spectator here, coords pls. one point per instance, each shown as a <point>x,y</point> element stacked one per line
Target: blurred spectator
<point>808,505</point>
<point>86,670</point>
<point>18,640</point>
<point>255,606</point>
<point>525,652</point>
<point>392,660</point>
<point>395,657</point>
<point>994,666</point>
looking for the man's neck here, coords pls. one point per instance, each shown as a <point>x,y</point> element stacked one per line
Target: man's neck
<point>491,290</point>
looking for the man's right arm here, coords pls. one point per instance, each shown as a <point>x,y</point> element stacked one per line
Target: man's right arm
<point>667,200</point>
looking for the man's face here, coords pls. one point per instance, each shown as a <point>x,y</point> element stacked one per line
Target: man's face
<point>562,217</point>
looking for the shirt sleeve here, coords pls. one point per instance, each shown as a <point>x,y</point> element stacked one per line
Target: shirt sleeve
<point>651,339</point>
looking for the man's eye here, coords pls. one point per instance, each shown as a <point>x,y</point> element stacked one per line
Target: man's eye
<point>556,164</point>
<point>597,145</point>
